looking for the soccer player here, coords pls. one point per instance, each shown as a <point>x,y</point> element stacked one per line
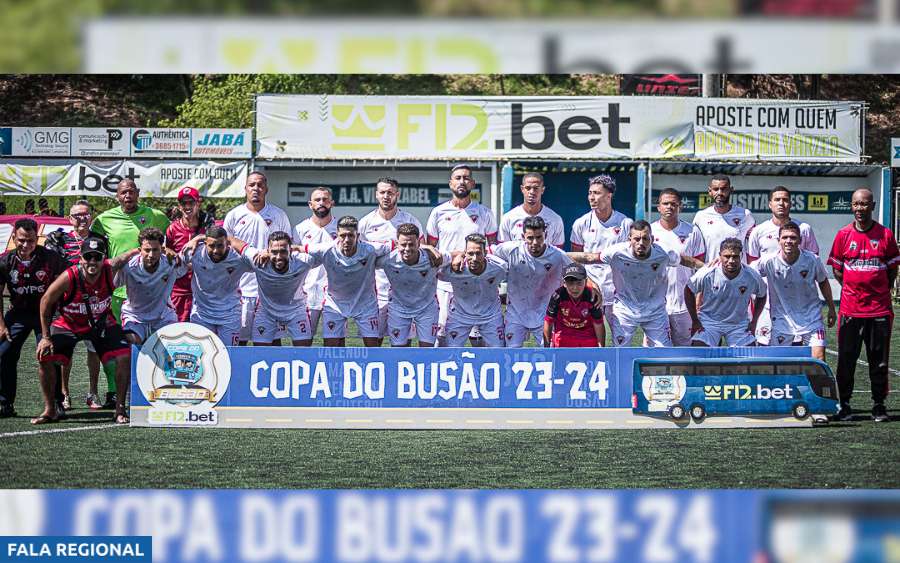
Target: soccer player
<point>600,227</point>
<point>511,223</point>
<point>726,291</point>
<point>121,226</point>
<point>83,298</point>
<point>574,316</point>
<point>722,220</point>
<point>380,227</point>
<point>281,305</point>
<point>451,222</point>
<point>475,300</point>
<point>148,280</point>
<point>193,221</point>
<point>252,222</point>
<point>350,267</point>
<point>793,275</point>
<point>535,271</point>
<point>217,266</point>
<point>864,258</point>
<point>412,271</point>
<point>673,234</point>
<point>318,229</point>
<point>27,271</point>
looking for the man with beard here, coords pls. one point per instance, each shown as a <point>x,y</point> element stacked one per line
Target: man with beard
<point>380,227</point>
<point>721,220</point>
<point>512,221</point>
<point>193,221</point>
<point>252,222</point>
<point>318,229</point>
<point>864,258</point>
<point>451,222</point>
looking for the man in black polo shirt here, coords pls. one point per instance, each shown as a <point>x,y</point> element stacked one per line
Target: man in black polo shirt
<point>26,271</point>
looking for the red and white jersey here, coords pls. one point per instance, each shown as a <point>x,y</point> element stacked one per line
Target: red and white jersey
<point>413,288</point>
<point>641,283</point>
<point>281,294</point>
<point>351,279</point>
<point>148,292</point>
<point>726,302</point>
<point>254,229</point>
<point>476,298</point>
<point>595,235</point>
<point>375,229</point>
<point>531,280</point>
<point>793,294</point>
<point>73,315</point>
<point>451,225</point>
<point>683,239</point>
<point>864,259</point>
<point>511,226</point>
<point>214,285</point>
<point>763,240</point>
<point>307,233</point>
<point>716,227</point>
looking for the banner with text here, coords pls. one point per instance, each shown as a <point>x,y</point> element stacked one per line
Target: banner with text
<point>430,127</point>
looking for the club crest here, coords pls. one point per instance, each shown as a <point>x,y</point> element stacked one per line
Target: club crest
<point>804,273</point>
<point>743,289</point>
<point>547,267</point>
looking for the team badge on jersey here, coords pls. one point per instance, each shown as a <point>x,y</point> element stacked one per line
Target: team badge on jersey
<point>654,266</point>
<point>853,245</point>
<point>743,289</point>
<point>396,333</point>
<point>230,270</point>
<point>548,266</point>
<point>736,221</point>
<point>423,273</point>
<point>474,218</point>
<point>453,334</point>
<point>804,273</point>
<point>874,243</point>
<point>41,275</point>
<point>268,222</point>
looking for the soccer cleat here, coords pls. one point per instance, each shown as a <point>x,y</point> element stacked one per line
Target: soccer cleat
<point>93,401</point>
<point>879,413</point>
<point>66,403</point>
<point>110,401</point>
<point>7,411</point>
<point>843,415</point>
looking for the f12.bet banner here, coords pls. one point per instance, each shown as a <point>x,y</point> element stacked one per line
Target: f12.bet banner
<point>440,127</point>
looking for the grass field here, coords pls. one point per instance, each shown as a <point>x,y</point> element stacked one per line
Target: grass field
<point>859,454</point>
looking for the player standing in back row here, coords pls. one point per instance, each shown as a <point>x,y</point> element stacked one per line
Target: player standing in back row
<point>512,222</point>
<point>722,220</point>
<point>318,229</point>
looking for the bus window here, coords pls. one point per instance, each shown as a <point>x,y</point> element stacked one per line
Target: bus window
<point>653,369</point>
<point>708,369</point>
<point>734,369</point>
<point>790,369</point>
<point>761,369</point>
<point>681,369</point>
<point>820,382</point>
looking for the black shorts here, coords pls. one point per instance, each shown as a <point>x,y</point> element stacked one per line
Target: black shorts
<point>109,346</point>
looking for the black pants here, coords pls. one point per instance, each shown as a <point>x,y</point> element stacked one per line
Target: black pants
<point>19,327</point>
<point>875,332</point>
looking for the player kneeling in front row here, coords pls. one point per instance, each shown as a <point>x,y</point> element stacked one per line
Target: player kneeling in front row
<point>726,291</point>
<point>793,275</point>
<point>83,295</point>
<point>574,316</point>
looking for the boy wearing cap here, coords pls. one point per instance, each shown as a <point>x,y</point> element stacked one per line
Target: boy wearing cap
<point>83,297</point>
<point>574,316</point>
<point>193,221</point>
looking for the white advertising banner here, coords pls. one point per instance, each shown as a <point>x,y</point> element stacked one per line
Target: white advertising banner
<point>438,127</point>
<point>34,141</point>
<point>161,143</point>
<point>221,143</point>
<point>154,178</point>
<point>101,142</point>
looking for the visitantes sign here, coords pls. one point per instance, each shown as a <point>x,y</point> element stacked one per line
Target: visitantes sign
<point>436,127</point>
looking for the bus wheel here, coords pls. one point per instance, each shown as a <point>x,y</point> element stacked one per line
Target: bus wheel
<point>698,413</point>
<point>677,412</point>
<point>800,411</point>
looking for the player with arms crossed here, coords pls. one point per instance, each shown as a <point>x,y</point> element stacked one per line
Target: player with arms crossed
<point>722,220</point>
<point>574,316</point>
<point>726,291</point>
<point>318,229</point>
<point>793,275</point>
<point>512,222</point>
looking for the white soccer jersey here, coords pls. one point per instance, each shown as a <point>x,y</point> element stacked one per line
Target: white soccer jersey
<point>375,229</point>
<point>595,235</point>
<point>511,225</point>
<point>451,225</point>
<point>716,227</point>
<point>725,302</point>
<point>254,229</point>
<point>307,233</point>
<point>476,299</point>
<point>683,239</point>
<point>793,294</point>
<point>641,284</point>
<point>214,285</point>
<point>281,293</point>
<point>763,239</point>
<point>531,280</point>
<point>412,287</point>
<point>148,293</point>
<point>351,279</point>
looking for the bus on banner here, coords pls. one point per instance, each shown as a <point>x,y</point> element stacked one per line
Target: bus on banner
<point>184,376</point>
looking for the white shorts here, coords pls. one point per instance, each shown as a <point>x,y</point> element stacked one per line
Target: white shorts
<point>267,329</point>
<point>734,336</point>
<point>811,338</point>
<point>443,297</point>
<point>400,326</point>
<point>764,327</point>
<point>383,319</point>
<point>517,334</point>
<point>680,328</point>
<point>609,316</point>
<point>314,316</point>
<point>228,330</point>
<point>248,312</point>
<point>336,324</point>
<point>656,329</point>
<point>143,329</point>
<point>493,332</point>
